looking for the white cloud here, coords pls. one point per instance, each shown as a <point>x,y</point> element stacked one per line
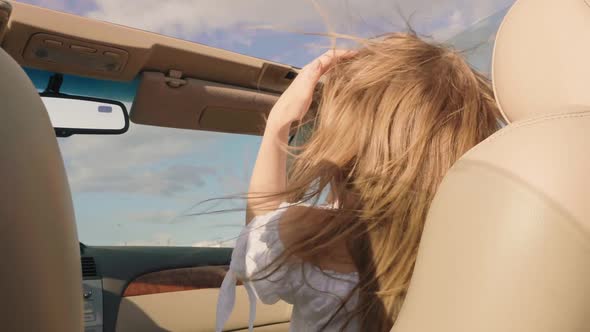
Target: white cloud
<point>167,240</point>
<point>164,239</point>
<point>167,181</point>
<point>157,240</point>
<point>152,217</point>
<point>188,18</point>
<point>455,24</point>
<point>136,162</point>
<point>215,244</point>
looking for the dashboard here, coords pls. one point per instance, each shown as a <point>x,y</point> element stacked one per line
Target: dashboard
<point>92,293</point>
<point>109,272</point>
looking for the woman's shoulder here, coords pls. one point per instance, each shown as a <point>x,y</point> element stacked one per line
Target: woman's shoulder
<point>290,219</point>
<point>315,290</point>
<point>291,226</point>
<point>289,223</point>
<point>297,221</point>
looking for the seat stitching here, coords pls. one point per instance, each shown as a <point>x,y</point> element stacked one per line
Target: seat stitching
<point>524,124</point>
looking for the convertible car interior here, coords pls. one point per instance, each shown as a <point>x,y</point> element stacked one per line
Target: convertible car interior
<point>506,246</point>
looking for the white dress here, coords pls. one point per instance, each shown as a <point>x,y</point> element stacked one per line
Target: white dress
<point>315,294</point>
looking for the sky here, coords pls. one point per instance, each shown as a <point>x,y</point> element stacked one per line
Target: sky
<point>138,188</point>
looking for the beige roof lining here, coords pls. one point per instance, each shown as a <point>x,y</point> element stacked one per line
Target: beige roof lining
<point>146,50</point>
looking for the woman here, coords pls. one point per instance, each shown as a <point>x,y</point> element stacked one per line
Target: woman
<point>393,117</point>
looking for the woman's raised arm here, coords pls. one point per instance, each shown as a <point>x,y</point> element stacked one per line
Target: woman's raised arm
<point>270,171</point>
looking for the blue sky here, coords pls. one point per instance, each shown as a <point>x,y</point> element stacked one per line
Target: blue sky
<point>131,189</point>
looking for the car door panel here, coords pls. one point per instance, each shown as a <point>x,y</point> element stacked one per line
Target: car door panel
<point>171,289</point>
<point>194,311</point>
<point>176,280</point>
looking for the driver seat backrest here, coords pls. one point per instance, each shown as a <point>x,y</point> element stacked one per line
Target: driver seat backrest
<point>506,246</point>
<point>41,279</point>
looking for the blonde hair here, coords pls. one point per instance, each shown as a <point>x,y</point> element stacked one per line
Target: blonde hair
<point>391,121</point>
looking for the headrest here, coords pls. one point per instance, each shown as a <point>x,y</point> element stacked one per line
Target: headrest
<point>38,237</point>
<point>541,62</point>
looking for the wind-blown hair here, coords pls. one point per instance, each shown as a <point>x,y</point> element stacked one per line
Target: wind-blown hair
<point>391,121</point>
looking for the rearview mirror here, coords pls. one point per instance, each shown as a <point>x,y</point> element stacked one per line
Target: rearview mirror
<point>85,115</point>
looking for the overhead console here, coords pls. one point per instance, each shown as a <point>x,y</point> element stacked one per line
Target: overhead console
<point>45,49</point>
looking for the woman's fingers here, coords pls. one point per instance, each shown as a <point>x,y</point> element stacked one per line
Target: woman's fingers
<point>318,67</point>
<point>312,72</point>
<point>295,101</point>
<point>331,57</point>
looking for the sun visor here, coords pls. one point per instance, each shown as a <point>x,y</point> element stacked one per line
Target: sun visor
<point>187,103</point>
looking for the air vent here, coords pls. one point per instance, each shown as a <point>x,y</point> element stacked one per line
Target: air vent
<point>88,267</point>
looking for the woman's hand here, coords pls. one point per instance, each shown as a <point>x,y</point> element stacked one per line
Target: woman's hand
<point>270,171</point>
<point>296,100</point>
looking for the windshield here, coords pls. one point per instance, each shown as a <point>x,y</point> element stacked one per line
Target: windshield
<point>141,188</point>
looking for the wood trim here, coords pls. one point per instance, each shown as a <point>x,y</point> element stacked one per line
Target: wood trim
<point>177,280</point>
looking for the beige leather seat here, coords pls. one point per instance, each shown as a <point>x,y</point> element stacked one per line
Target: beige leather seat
<point>507,241</point>
<point>40,280</point>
